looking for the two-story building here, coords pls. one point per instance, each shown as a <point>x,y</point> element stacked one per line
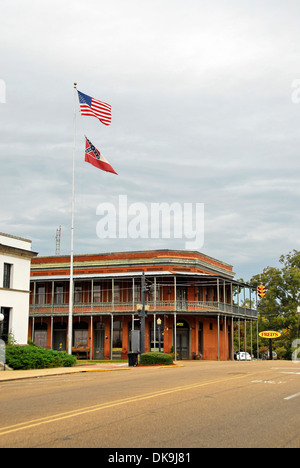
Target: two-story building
<point>192,303</point>
<point>15,258</point>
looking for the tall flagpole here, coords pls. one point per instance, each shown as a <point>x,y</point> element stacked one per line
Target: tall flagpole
<point>70,329</point>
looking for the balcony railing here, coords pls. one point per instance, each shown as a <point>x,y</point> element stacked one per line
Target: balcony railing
<point>183,307</point>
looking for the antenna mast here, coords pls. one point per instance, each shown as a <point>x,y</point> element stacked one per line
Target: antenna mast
<point>57,238</point>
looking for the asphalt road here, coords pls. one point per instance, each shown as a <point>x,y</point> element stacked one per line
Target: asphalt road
<point>201,405</point>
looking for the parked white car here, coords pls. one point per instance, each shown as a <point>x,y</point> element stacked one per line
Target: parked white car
<point>242,356</point>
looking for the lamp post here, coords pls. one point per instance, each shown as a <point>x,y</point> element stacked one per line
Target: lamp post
<point>142,310</point>
<point>159,334</point>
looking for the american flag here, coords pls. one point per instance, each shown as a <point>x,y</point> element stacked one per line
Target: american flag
<point>90,106</point>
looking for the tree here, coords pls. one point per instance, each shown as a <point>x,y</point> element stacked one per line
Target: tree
<point>278,309</point>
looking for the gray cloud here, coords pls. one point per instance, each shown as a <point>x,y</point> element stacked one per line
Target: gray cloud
<point>201,95</point>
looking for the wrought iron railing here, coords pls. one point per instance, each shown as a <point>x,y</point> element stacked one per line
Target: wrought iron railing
<point>179,306</point>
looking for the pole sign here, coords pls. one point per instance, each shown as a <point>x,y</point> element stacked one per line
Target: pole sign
<point>270,334</point>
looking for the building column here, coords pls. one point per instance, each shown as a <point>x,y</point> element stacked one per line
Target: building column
<point>91,344</point>
<point>175,346</point>
<point>51,331</point>
<point>225,337</point>
<point>111,336</point>
<point>218,337</point>
<point>232,339</point>
<point>175,296</point>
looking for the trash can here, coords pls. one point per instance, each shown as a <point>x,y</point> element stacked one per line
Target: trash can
<point>133,359</point>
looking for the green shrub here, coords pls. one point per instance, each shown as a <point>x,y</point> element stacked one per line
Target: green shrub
<point>156,358</point>
<point>32,357</point>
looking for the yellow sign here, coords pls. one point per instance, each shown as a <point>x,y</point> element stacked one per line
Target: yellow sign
<point>270,334</point>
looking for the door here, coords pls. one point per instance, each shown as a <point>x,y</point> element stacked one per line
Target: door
<point>182,339</point>
<point>4,326</point>
<point>181,298</point>
<point>99,341</point>
<point>60,340</point>
<point>182,343</point>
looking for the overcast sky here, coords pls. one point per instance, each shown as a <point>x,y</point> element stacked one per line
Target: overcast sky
<point>205,110</point>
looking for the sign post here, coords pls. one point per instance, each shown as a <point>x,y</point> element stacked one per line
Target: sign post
<point>271,335</point>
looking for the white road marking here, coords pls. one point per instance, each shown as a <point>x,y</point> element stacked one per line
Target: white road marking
<point>292,396</point>
<point>268,382</point>
<point>293,373</point>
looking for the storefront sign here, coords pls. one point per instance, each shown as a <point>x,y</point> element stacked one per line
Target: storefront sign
<point>270,334</point>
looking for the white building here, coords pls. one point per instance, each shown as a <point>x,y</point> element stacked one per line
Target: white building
<point>15,259</point>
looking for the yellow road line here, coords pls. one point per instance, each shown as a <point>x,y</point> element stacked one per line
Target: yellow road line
<point>90,409</point>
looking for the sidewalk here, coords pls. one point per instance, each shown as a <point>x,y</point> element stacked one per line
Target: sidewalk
<point>9,375</point>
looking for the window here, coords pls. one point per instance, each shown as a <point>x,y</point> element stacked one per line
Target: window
<point>81,338</point>
<point>118,334</point>
<point>97,292</point>
<point>40,335</point>
<point>206,295</point>
<point>41,294</point>
<point>200,338</point>
<point>81,335</point>
<point>116,293</point>
<point>78,293</point>
<point>159,336</point>
<point>137,292</point>
<point>7,271</point>
<point>59,294</point>
<point>117,339</point>
<point>158,291</point>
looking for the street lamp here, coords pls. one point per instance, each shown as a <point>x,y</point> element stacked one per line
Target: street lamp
<point>159,334</point>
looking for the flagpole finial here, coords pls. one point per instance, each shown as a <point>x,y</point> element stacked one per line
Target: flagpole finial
<point>75,84</point>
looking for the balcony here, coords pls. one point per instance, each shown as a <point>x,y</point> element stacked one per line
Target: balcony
<point>155,307</point>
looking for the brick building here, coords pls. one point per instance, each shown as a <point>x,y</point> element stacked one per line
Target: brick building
<point>194,296</point>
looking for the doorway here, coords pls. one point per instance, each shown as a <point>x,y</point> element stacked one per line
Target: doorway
<point>181,298</point>
<point>182,339</point>
<point>99,341</point>
<point>5,324</point>
<point>40,335</point>
<point>60,337</point>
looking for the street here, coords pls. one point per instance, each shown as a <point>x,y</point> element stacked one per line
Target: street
<point>203,404</point>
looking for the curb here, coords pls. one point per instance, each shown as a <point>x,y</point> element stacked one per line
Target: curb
<point>8,376</point>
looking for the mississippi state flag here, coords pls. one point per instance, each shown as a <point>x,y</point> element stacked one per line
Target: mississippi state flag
<point>90,106</point>
<point>94,157</point>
